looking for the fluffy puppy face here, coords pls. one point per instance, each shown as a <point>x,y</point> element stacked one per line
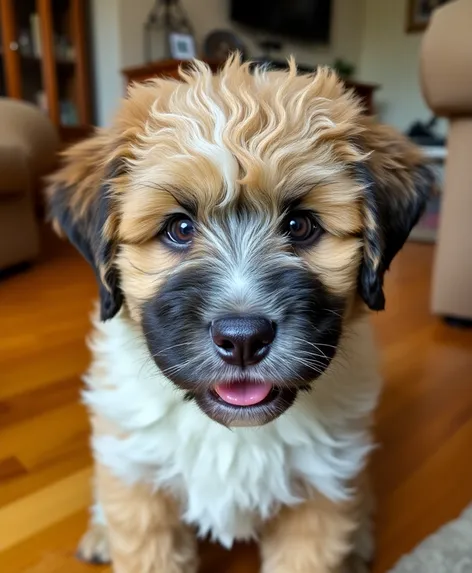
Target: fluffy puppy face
<point>240,219</point>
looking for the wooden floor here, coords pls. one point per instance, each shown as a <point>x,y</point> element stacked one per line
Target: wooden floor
<point>422,469</point>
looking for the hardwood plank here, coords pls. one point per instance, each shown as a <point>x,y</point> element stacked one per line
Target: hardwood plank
<point>37,440</point>
<point>38,401</point>
<point>25,517</point>
<point>77,457</point>
<point>429,497</point>
<point>25,376</point>
<point>51,550</point>
<point>11,468</point>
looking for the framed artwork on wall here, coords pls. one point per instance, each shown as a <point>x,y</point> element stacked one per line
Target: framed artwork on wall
<point>419,13</point>
<point>182,46</point>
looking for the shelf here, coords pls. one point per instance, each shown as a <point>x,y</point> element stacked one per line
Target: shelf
<point>38,60</point>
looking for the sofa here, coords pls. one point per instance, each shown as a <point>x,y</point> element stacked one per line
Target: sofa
<point>28,146</point>
<point>446,80</point>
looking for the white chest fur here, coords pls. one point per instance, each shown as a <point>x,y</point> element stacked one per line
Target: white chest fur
<point>231,479</point>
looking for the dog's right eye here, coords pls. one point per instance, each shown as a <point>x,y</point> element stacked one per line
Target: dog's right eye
<point>180,231</point>
<point>302,228</point>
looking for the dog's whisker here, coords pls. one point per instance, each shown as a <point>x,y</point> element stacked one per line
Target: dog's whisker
<point>310,353</point>
<point>332,311</point>
<point>310,363</point>
<point>315,344</point>
<point>164,350</point>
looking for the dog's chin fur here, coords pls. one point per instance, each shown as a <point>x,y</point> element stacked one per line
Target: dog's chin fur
<point>238,153</point>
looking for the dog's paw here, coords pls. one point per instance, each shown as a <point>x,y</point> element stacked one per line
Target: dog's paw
<point>94,546</point>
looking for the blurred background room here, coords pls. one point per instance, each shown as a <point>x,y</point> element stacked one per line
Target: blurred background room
<point>64,66</point>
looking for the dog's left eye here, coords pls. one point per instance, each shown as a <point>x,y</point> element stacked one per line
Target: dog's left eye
<point>180,230</point>
<point>301,227</point>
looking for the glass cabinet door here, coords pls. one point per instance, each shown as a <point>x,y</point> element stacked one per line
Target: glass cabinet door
<point>22,51</point>
<point>65,55</point>
<point>44,59</point>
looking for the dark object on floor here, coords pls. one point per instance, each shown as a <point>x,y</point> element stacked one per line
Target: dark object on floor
<point>456,322</point>
<point>15,269</point>
<point>422,133</point>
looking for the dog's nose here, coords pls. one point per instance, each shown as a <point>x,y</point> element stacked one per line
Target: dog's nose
<point>242,340</point>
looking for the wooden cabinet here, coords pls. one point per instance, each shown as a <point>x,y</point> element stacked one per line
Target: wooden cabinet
<point>164,68</point>
<point>44,60</point>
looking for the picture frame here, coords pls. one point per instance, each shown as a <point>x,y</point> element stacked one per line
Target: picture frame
<point>419,13</point>
<point>182,46</point>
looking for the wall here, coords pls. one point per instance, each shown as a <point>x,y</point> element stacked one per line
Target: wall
<point>106,58</point>
<point>390,57</point>
<point>346,32</point>
<point>118,39</point>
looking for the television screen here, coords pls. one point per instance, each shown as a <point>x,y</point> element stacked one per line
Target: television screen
<point>308,20</point>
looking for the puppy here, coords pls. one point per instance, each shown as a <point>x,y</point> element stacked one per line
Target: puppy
<point>239,226</point>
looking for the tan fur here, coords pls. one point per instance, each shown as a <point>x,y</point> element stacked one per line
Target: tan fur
<point>94,547</point>
<point>392,162</point>
<point>313,537</point>
<point>393,157</point>
<point>319,536</point>
<point>84,164</point>
<point>166,164</point>
<point>144,529</point>
<point>143,269</point>
<point>143,532</point>
<point>279,138</point>
<point>293,136</point>
<point>336,261</point>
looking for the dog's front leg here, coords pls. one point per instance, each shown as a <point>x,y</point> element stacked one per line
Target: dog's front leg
<point>313,537</point>
<point>144,529</point>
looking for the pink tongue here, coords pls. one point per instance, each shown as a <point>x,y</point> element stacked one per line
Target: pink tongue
<point>243,393</point>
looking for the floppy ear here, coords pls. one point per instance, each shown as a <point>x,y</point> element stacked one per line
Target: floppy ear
<point>81,207</point>
<point>398,183</point>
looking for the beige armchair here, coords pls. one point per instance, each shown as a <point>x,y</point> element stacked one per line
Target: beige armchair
<point>446,76</point>
<point>28,146</point>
